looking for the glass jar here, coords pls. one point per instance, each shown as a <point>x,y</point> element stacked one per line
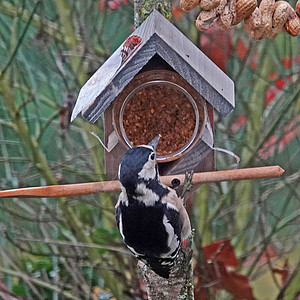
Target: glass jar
<point>160,106</point>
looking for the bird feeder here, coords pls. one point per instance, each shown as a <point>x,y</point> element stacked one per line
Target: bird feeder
<point>158,82</point>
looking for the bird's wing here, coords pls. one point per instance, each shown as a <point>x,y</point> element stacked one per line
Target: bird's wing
<point>119,200</point>
<point>119,213</point>
<point>173,201</point>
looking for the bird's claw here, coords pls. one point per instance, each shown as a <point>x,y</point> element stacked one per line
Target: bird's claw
<point>142,266</point>
<point>187,186</point>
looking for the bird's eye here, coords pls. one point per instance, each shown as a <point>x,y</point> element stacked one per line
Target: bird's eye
<point>152,156</point>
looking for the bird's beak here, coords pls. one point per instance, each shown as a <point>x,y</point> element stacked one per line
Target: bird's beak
<point>154,142</point>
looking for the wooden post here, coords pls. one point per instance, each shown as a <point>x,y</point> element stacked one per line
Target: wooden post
<point>138,19</point>
<point>175,287</point>
<point>69,190</point>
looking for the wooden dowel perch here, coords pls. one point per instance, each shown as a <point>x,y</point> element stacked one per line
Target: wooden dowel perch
<point>112,186</point>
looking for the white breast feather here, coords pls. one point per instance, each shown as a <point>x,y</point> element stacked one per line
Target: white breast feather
<point>146,195</point>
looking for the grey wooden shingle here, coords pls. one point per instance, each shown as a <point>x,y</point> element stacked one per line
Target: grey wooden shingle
<point>159,37</point>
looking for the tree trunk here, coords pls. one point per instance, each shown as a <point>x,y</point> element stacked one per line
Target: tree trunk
<point>143,8</point>
<point>179,285</point>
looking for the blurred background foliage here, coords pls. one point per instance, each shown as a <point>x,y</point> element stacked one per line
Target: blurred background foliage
<point>70,248</point>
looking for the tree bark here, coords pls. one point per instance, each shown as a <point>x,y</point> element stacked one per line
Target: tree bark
<point>143,8</point>
<point>179,285</point>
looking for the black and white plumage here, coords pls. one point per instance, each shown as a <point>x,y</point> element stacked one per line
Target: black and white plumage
<point>151,217</point>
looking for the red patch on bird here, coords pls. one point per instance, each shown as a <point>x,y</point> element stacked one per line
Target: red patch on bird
<point>130,46</point>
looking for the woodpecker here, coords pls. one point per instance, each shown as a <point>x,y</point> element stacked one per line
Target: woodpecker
<point>151,217</point>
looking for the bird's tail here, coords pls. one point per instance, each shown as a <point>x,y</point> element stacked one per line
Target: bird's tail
<point>161,266</point>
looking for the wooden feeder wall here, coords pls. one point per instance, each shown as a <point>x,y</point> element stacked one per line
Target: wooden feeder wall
<point>157,74</point>
<point>161,56</point>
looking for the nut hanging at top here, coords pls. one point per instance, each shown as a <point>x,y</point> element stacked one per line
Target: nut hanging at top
<point>267,19</point>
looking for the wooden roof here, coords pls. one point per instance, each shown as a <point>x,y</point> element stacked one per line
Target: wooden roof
<point>158,36</point>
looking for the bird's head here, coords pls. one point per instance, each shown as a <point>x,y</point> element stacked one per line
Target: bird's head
<point>139,164</point>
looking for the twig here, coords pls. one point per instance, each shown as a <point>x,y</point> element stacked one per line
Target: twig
<point>25,277</point>
<point>20,40</point>
<point>44,26</point>
<point>38,282</point>
<point>287,285</point>
<point>74,244</point>
<point>267,238</point>
<point>112,186</point>
<point>46,125</point>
